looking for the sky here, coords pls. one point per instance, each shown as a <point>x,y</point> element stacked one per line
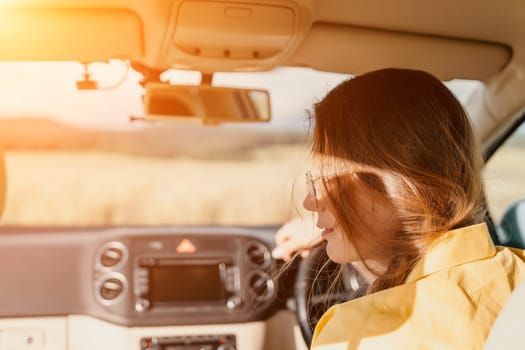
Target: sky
<point>48,89</point>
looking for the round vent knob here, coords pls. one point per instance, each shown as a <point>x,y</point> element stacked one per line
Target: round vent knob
<point>111,288</point>
<point>261,285</point>
<point>112,255</point>
<point>258,254</point>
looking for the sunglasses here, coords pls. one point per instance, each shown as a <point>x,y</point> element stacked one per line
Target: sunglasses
<point>369,179</point>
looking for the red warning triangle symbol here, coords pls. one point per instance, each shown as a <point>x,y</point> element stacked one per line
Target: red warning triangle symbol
<point>186,246</point>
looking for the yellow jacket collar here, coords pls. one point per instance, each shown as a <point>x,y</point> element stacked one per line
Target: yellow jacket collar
<point>454,248</point>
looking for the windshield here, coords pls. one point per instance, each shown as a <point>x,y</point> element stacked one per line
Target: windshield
<point>73,157</point>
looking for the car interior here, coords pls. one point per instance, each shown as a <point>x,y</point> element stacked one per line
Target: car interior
<point>175,282</point>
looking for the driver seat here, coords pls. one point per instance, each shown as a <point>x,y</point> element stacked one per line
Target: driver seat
<point>507,329</point>
<point>511,232</point>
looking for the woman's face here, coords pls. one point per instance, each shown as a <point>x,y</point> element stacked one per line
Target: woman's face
<point>377,222</point>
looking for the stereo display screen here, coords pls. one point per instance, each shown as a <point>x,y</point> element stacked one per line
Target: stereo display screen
<point>185,283</point>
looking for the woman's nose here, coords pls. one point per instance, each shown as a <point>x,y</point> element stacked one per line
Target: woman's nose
<point>311,203</point>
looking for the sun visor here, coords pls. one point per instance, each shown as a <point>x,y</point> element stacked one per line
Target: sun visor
<point>357,50</point>
<point>203,32</point>
<point>49,34</point>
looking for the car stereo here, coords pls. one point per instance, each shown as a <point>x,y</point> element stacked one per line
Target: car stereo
<point>184,278</point>
<point>167,282</point>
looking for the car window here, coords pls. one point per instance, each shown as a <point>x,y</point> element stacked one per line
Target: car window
<point>74,158</point>
<point>504,175</point>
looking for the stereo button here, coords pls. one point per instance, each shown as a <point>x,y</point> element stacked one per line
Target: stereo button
<point>234,302</point>
<point>147,262</point>
<point>142,305</point>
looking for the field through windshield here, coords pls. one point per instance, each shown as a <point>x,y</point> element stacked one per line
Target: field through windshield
<point>97,188</point>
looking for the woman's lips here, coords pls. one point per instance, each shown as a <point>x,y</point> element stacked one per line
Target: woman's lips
<point>326,231</point>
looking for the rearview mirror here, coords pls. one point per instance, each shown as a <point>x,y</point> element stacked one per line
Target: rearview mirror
<point>211,104</point>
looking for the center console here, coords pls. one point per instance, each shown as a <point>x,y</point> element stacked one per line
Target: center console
<point>185,278</point>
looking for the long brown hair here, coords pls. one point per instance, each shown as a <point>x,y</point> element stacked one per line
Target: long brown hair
<point>414,135</point>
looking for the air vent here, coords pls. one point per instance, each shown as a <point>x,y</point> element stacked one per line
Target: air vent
<point>258,254</point>
<point>260,285</point>
<point>111,288</point>
<point>112,256</point>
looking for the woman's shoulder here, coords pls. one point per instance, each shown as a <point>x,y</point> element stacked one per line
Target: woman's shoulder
<point>417,314</point>
<point>402,317</point>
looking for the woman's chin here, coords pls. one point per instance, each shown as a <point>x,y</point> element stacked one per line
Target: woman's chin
<point>340,253</point>
<point>334,254</point>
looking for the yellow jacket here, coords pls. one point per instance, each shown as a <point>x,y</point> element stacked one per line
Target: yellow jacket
<point>449,301</point>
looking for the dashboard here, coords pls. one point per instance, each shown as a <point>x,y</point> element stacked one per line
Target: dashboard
<point>145,281</point>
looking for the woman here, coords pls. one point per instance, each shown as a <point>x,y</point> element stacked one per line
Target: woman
<point>398,194</point>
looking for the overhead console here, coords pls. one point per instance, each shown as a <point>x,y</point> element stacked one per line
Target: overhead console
<point>223,32</point>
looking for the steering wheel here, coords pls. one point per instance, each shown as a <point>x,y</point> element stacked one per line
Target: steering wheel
<point>318,286</point>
